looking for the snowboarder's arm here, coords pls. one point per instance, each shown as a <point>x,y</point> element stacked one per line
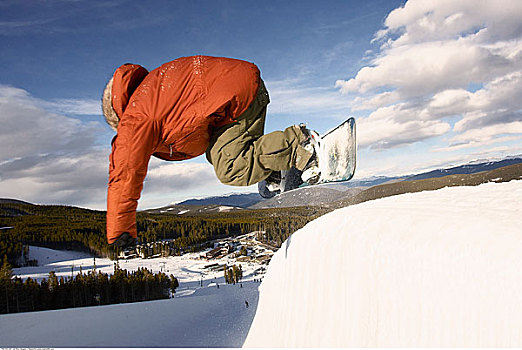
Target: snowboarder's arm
<point>131,151</point>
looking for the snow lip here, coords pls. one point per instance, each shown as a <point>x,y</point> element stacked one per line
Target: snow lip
<point>432,268</point>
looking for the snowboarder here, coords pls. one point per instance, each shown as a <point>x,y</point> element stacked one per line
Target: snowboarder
<point>182,109</point>
<point>246,304</point>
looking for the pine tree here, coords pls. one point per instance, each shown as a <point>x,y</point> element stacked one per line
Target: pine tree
<point>173,284</point>
<point>6,275</point>
<point>53,281</point>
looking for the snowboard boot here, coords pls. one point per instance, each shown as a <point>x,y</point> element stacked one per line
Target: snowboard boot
<point>125,241</point>
<point>311,172</point>
<point>270,186</point>
<point>273,181</point>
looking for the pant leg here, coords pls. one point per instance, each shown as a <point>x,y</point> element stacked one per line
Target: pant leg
<point>242,155</point>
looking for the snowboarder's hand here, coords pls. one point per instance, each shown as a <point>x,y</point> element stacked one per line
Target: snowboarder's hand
<point>125,240</point>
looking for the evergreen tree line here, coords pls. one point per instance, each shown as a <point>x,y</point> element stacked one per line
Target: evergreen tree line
<point>85,289</point>
<point>233,274</point>
<point>63,227</point>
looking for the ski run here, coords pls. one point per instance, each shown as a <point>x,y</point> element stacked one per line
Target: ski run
<point>436,268</point>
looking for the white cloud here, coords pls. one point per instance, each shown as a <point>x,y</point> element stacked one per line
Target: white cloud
<point>29,130</point>
<point>396,125</point>
<point>433,55</point>
<point>291,98</point>
<point>379,100</point>
<point>166,176</point>
<point>48,157</point>
<point>428,67</point>
<point>488,133</point>
<point>480,143</point>
<point>423,20</point>
<point>75,106</point>
<point>78,179</point>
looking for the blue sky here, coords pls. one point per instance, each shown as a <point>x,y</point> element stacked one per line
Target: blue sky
<point>432,83</point>
<point>46,42</point>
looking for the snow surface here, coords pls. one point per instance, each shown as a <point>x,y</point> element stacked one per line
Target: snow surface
<point>439,268</point>
<point>210,317</point>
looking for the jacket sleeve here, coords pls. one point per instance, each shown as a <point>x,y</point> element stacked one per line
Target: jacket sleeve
<point>131,150</point>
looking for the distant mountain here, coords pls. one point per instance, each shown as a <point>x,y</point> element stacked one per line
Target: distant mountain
<point>191,209</point>
<point>242,200</point>
<point>369,182</point>
<point>10,200</point>
<point>470,168</point>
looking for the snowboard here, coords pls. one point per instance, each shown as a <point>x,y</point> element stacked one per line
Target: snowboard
<point>336,153</point>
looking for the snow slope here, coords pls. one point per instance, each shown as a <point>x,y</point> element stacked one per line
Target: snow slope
<point>210,317</point>
<point>46,256</point>
<point>439,268</point>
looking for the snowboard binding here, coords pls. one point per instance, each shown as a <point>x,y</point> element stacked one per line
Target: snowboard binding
<point>279,181</point>
<point>311,174</point>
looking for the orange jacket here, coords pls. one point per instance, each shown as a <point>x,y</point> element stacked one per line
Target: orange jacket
<point>169,113</point>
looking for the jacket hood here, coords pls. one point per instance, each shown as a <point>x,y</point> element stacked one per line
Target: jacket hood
<point>125,80</point>
<point>118,91</point>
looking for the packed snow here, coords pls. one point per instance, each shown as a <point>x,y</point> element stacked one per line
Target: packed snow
<point>439,268</point>
<point>210,317</point>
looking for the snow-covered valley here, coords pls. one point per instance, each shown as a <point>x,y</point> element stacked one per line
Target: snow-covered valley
<point>434,268</point>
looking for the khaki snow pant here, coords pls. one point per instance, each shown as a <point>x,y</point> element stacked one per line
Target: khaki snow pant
<point>242,155</point>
